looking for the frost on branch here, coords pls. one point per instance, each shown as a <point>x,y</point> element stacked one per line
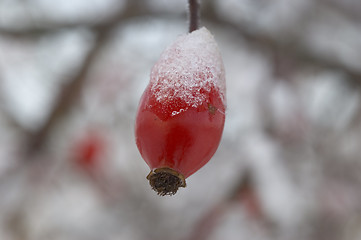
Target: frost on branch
<point>188,71</point>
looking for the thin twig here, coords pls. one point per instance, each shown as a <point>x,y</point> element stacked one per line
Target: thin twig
<point>194,14</point>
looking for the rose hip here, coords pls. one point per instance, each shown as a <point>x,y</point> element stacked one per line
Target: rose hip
<point>181,113</point>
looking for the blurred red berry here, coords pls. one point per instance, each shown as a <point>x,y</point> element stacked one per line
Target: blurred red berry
<point>181,113</point>
<point>89,150</point>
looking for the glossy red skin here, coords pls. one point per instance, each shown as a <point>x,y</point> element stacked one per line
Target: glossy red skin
<point>185,141</point>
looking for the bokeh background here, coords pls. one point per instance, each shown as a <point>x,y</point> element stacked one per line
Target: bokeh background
<point>288,166</point>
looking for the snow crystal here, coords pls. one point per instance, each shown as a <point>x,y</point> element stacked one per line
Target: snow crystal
<point>189,69</point>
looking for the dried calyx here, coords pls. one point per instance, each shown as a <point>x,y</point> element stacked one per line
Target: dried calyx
<point>166,181</point>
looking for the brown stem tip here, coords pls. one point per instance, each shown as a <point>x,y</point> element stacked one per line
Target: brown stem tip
<point>166,181</point>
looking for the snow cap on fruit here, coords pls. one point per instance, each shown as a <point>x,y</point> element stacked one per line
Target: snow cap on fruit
<point>188,70</point>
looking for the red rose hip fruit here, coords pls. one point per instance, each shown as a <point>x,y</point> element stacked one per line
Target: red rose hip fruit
<point>181,113</point>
